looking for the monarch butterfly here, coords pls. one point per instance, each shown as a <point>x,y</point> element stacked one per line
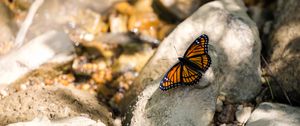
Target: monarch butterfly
<point>189,69</point>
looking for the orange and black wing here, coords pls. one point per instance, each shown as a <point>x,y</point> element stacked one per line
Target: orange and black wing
<point>179,75</point>
<point>198,47</point>
<point>190,76</point>
<point>202,61</point>
<point>197,53</point>
<point>172,78</point>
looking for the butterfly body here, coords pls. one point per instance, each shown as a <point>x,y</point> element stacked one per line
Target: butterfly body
<point>189,69</point>
<point>185,61</point>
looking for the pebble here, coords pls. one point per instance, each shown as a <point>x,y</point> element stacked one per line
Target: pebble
<point>219,106</point>
<point>242,114</point>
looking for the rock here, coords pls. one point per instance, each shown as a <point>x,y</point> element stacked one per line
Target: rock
<point>242,114</point>
<point>177,9</point>
<point>50,47</point>
<point>53,102</point>
<point>232,35</point>
<point>219,105</point>
<point>274,114</point>
<point>234,48</point>
<point>118,23</point>
<point>74,121</point>
<point>283,51</point>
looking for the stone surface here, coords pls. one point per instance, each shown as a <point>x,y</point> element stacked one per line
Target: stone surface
<point>234,48</point>
<point>52,102</point>
<point>72,121</point>
<point>50,47</point>
<point>238,46</point>
<point>284,51</point>
<point>274,114</point>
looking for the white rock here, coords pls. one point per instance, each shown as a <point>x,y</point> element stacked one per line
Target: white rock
<point>274,114</point>
<point>53,46</point>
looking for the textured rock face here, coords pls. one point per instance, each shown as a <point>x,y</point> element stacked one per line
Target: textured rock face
<point>273,114</point>
<point>52,102</point>
<point>235,51</point>
<point>284,50</point>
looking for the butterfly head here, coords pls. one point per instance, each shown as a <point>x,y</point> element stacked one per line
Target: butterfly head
<point>203,38</point>
<point>181,59</point>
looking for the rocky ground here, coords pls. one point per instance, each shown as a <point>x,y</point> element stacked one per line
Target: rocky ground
<point>100,62</point>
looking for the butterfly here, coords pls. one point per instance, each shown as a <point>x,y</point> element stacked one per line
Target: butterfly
<point>189,69</point>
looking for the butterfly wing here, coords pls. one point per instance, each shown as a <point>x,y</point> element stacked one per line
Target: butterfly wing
<point>201,61</point>
<point>185,73</point>
<point>179,74</point>
<point>197,53</point>
<point>198,47</point>
<point>172,78</point>
<point>190,76</point>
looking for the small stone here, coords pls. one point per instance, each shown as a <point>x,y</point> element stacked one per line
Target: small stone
<point>86,86</point>
<point>118,23</point>
<point>227,115</point>
<point>219,106</point>
<point>258,100</point>
<point>3,93</point>
<point>222,97</point>
<point>124,8</point>
<point>88,37</point>
<point>117,97</point>
<point>118,122</point>
<point>243,114</point>
<point>23,87</point>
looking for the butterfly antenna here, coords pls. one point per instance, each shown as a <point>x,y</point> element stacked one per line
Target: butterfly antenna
<point>176,50</point>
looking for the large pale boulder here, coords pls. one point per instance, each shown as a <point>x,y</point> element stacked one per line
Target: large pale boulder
<point>234,47</point>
